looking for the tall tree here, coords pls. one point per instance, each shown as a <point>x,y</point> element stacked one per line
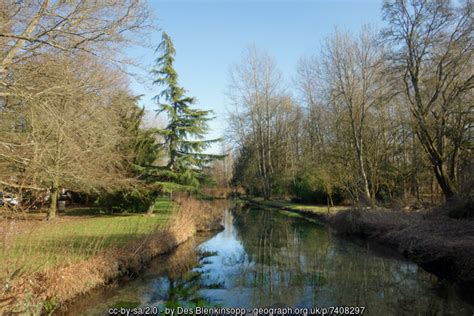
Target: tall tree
<point>433,54</point>
<point>184,134</point>
<point>353,77</point>
<point>255,90</point>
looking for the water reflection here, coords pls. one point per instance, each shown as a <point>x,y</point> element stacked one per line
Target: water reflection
<point>270,259</point>
<point>265,258</point>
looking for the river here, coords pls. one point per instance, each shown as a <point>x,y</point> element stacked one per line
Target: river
<point>279,259</point>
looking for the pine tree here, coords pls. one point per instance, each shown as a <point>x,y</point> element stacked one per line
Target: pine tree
<point>184,134</point>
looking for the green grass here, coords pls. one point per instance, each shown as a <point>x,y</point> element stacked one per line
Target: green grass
<point>280,204</point>
<point>163,205</point>
<point>77,235</point>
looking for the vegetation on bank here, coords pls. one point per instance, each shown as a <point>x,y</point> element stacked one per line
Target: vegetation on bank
<point>298,207</point>
<point>49,263</point>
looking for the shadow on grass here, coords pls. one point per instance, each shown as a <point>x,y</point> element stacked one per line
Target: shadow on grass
<point>87,211</point>
<point>100,212</point>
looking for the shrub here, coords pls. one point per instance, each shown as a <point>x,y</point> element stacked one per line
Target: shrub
<point>134,201</point>
<point>309,188</point>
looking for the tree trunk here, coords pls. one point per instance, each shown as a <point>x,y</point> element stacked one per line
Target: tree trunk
<point>54,203</point>
<point>366,189</point>
<point>360,159</point>
<point>443,181</point>
<point>359,147</point>
<point>151,208</point>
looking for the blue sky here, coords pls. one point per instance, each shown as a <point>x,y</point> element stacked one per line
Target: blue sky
<point>210,36</point>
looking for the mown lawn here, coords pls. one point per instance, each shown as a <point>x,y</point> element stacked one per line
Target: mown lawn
<point>76,235</point>
<point>281,204</point>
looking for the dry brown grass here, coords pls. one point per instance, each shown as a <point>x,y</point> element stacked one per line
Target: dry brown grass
<point>217,192</point>
<point>44,290</point>
<point>371,223</point>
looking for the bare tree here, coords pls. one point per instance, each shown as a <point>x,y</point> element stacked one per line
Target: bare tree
<point>254,89</point>
<point>30,28</point>
<point>352,73</point>
<point>433,54</point>
<point>65,128</point>
<point>309,85</point>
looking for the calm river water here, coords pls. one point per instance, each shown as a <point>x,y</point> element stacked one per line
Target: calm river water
<point>277,259</point>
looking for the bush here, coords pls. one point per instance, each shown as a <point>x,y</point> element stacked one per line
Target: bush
<point>129,201</point>
<point>309,188</point>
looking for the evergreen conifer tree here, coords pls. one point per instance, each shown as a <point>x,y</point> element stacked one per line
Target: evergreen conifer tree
<point>184,134</point>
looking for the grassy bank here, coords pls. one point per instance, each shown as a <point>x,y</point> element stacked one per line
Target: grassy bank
<point>441,245</point>
<point>315,211</point>
<point>48,264</point>
<point>33,245</point>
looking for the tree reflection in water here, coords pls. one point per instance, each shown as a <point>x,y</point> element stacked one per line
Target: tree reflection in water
<point>286,260</point>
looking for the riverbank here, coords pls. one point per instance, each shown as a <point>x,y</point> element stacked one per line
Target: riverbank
<point>276,258</point>
<point>320,212</point>
<point>439,244</point>
<point>43,290</point>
